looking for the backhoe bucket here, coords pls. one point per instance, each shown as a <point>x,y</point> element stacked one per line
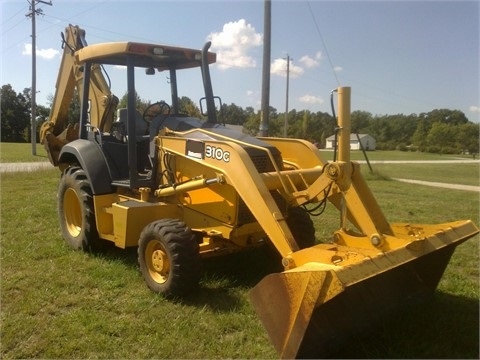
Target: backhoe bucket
<point>309,311</point>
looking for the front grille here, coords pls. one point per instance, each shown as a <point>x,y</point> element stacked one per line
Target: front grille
<point>263,164</point>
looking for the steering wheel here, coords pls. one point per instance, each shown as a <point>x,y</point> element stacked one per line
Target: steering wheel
<point>155,109</point>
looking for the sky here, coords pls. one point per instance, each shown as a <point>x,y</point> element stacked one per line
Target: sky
<point>399,57</point>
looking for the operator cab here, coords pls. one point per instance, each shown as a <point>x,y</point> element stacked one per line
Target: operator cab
<point>130,158</point>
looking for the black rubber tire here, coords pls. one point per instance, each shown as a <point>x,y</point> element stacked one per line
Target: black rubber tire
<point>301,226</point>
<point>169,259</point>
<point>76,210</point>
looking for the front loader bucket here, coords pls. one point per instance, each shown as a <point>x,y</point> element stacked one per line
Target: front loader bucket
<point>311,310</point>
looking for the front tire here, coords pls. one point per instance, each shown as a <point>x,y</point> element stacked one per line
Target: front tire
<point>76,210</point>
<point>168,256</point>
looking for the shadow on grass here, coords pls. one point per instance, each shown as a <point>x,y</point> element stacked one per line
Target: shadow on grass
<point>444,326</point>
<point>224,279</point>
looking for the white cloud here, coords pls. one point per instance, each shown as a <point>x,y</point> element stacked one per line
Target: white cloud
<point>279,67</point>
<point>337,68</point>
<point>233,43</point>
<point>311,62</point>
<point>47,54</point>
<point>308,62</point>
<point>475,109</point>
<point>311,99</point>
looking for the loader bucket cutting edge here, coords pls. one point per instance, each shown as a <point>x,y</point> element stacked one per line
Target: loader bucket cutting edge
<point>310,311</point>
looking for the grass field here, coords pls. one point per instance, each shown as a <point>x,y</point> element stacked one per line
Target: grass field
<point>21,152</point>
<point>58,303</point>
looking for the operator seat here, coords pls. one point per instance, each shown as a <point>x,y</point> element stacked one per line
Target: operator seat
<point>141,125</point>
<point>120,132</point>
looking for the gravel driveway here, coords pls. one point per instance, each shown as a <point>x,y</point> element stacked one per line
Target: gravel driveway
<point>26,166</point>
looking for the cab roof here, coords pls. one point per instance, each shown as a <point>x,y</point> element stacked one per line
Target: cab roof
<point>160,57</point>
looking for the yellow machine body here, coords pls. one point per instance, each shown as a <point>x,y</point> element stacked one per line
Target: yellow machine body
<point>234,192</point>
<point>304,308</point>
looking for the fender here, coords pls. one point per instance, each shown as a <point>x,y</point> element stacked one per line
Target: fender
<point>90,157</point>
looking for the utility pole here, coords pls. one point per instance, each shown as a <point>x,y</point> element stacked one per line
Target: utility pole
<point>286,98</point>
<point>265,107</point>
<point>33,12</point>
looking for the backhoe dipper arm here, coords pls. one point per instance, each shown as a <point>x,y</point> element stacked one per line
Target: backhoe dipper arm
<point>58,129</point>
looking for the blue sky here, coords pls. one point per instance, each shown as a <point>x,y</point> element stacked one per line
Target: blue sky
<point>398,56</point>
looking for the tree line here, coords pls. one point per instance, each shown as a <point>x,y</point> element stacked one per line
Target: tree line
<point>438,131</point>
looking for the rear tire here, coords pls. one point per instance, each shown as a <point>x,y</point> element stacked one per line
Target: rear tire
<point>76,210</point>
<point>301,226</point>
<point>169,259</point>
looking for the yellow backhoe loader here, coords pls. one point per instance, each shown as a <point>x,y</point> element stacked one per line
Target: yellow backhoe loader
<point>181,189</point>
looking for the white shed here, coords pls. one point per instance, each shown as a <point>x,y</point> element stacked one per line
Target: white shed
<point>368,142</point>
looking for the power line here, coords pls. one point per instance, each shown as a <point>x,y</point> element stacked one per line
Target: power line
<point>324,44</point>
<point>383,91</point>
<point>42,19</point>
<point>11,17</point>
<point>92,27</point>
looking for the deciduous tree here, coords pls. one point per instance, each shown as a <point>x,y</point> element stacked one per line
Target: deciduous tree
<point>15,115</point>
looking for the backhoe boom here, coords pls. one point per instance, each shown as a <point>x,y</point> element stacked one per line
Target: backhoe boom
<point>59,129</point>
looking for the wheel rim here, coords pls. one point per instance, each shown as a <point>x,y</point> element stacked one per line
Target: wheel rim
<point>72,212</point>
<point>158,263</point>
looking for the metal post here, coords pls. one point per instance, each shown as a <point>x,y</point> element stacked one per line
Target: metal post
<point>286,100</point>
<point>34,83</point>
<point>34,73</point>
<point>344,123</point>
<point>265,108</point>
<point>364,153</point>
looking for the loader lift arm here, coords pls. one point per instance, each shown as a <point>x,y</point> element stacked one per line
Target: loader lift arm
<point>325,290</point>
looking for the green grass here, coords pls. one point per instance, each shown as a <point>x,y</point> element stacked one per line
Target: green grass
<point>397,155</point>
<point>21,152</point>
<point>456,173</point>
<point>464,174</point>
<point>58,303</point>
